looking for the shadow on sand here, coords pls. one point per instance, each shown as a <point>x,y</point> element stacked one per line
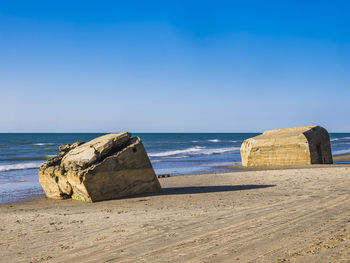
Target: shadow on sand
<point>210,189</point>
<point>198,190</point>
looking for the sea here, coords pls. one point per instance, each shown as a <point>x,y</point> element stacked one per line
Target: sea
<point>21,154</point>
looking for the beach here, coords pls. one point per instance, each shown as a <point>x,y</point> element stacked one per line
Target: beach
<point>174,131</point>
<point>170,153</point>
<point>289,215</point>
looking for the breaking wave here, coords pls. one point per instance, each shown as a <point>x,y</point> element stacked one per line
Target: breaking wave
<point>214,140</point>
<point>169,153</point>
<point>220,150</point>
<point>197,150</point>
<point>43,143</point>
<point>342,138</point>
<point>341,152</point>
<point>44,157</point>
<point>176,157</point>
<point>19,166</point>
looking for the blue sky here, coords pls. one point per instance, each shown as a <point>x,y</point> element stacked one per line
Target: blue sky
<point>173,66</point>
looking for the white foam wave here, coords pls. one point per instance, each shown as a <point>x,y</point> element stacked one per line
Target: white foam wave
<point>176,157</point>
<point>342,138</point>
<point>19,166</point>
<point>219,150</point>
<point>169,153</point>
<point>43,143</point>
<point>214,140</point>
<point>341,152</point>
<point>197,150</point>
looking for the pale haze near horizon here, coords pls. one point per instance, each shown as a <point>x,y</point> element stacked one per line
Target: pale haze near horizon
<point>207,66</point>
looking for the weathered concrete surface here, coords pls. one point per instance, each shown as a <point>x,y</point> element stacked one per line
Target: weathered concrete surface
<point>108,167</point>
<point>94,150</point>
<point>288,147</point>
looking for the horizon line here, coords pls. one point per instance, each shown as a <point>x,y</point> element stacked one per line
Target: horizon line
<point>150,132</point>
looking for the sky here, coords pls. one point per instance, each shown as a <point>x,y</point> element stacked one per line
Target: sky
<point>174,66</point>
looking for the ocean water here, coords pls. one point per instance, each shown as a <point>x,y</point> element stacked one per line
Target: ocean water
<point>21,155</point>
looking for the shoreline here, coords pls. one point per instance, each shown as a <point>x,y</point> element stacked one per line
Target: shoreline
<point>341,157</point>
<point>225,169</point>
<point>269,168</point>
<point>284,215</point>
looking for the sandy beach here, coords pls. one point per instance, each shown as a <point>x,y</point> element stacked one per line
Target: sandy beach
<point>174,131</point>
<point>292,215</point>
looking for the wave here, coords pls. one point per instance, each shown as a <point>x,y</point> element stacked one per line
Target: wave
<point>169,153</point>
<point>44,157</point>
<point>341,152</point>
<point>197,150</point>
<point>43,143</point>
<point>342,138</point>
<point>214,140</point>
<point>176,157</point>
<point>220,150</point>
<point>19,166</point>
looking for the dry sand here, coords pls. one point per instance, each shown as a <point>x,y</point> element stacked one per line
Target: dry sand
<point>294,215</point>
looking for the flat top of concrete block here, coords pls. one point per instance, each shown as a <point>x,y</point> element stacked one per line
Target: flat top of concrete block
<point>285,132</point>
<point>289,131</point>
<point>285,135</point>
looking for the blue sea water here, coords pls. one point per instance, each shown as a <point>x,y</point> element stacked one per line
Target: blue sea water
<point>21,154</point>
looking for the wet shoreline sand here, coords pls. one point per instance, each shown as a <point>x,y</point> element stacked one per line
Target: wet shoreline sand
<point>294,215</point>
<point>342,157</point>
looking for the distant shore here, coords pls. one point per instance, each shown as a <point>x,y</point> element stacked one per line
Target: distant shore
<point>296,215</point>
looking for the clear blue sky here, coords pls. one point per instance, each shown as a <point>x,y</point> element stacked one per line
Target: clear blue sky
<point>173,66</point>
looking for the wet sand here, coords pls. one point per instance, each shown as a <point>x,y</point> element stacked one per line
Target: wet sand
<point>342,158</point>
<point>291,215</point>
